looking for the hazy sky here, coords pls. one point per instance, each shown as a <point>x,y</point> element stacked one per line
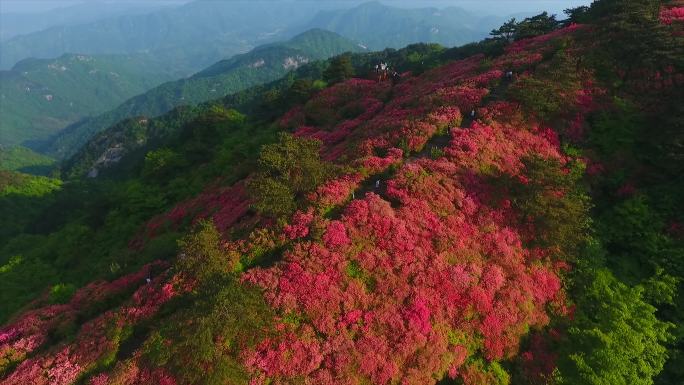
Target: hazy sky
<point>495,7</point>
<point>31,6</point>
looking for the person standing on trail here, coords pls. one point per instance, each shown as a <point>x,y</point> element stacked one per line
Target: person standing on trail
<point>472,114</point>
<point>377,183</point>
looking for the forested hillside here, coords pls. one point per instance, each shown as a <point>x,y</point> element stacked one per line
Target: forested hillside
<point>261,65</point>
<point>18,158</point>
<point>507,212</point>
<point>39,97</point>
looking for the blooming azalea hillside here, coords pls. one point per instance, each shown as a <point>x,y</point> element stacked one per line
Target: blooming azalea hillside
<point>485,221</point>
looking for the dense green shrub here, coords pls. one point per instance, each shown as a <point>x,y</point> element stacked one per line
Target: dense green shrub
<point>286,171</point>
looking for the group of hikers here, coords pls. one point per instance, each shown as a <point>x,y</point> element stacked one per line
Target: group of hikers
<point>384,72</point>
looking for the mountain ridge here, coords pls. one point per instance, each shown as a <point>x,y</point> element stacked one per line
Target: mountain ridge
<point>225,77</point>
<point>42,96</point>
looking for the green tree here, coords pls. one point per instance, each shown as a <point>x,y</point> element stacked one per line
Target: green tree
<point>507,31</point>
<point>546,94</point>
<point>201,255</point>
<point>633,39</point>
<point>206,339</point>
<point>576,15</point>
<point>201,343</point>
<point>563,224</point>
<point>339,70</point>
<point>536,25</point>
<point>161,162</point>
<point>286,171</point>
<point>301,90</point>
<point>615,338</point>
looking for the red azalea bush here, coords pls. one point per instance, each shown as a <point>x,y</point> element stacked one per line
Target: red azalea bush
<point>224,205</point>
<point>445,117</point>
<point>335,191</point>
<point>540,43</point>
<point>293,118</point>
<point>464,97</point>
<point>95,340</point>
<point>499,147</point>
<point>671,15</point>
<point>299,226</point>
<point>416,283</point>
<point>30,331</point>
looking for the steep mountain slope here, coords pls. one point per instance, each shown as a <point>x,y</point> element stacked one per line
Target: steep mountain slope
<point>503,218</point>
<point>39,97</point>
<point>379,26</point>
<point>261,65</point>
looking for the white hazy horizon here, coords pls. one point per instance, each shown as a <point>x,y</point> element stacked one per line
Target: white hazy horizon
<point>490,7</point>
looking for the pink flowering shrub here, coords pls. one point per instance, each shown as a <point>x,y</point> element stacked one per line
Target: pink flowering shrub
<point>293,118</point>
<point>466,98</point>
<point>445,117</point>
<point>224,205</point>
<point>671,15</point>
<point>404,282</point>
<point>376,164</point>
<point>95,339</point>
<point>499,147</point>
<point>336,235</point>
<point>299,226</point>
<point>440,281</point>
<point>100,379</point>
<point>540,43</point>
<point>132,373</point>
<point>335,191</point>
<point>30,331</point>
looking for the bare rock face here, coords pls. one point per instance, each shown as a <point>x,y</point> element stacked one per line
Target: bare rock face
<point>112,155</point>
<point>258,63</point>
<point>294,62</point>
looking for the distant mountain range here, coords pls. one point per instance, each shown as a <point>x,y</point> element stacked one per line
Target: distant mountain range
<point>14,23</point>
<point>379,26</point>
<point>39,97</point>
<point>145,49</point>
<point>188,37</point>
<point>261,65</point>
<point>194,35</point>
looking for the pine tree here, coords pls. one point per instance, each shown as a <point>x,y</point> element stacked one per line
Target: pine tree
<point>339,70</point>
<point>507,31</point>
